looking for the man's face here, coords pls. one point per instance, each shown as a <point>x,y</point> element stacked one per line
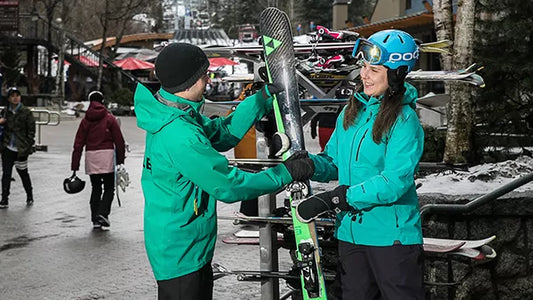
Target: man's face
<point>198,89</point>
<point>14,98</point>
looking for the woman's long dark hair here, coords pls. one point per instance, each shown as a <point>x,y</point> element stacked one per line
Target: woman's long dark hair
<point>390,108</point>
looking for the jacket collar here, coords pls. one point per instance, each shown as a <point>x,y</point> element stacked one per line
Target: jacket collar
<point>172,100</point>
<point>367,100</point>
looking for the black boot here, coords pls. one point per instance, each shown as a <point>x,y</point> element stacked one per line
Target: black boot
<point>3,203</point>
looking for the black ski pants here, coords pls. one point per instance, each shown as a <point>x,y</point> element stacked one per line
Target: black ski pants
<point>370,272</point>
<point>101,203</point>
<point>10,159</point>
<point>194,286</point>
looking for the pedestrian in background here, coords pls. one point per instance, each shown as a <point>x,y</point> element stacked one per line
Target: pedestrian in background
<point>184,173</point>
<point>17,145</point>
<point>104,144</point>
<point>312,26</point>
<point>374,153</point>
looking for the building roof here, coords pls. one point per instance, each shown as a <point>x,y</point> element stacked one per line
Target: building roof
<point>422,18</point>
<point>111,41</point>
<point>199,37</point>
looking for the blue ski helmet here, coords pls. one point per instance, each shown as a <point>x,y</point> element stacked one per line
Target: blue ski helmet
<point>392,48</point>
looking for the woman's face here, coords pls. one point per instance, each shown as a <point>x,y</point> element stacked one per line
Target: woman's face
<point>374,79</point>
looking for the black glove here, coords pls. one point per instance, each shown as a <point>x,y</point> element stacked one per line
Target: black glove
<point>312,207</point>
<point>279,144</point>
<point>272,89</point>
<point>275,145</point>
<point>267,125</point>
<point>313,132</point>
<point>263,74</point>
<point>300,166</point>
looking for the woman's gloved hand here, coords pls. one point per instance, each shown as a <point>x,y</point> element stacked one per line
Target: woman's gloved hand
<point>312,207</point>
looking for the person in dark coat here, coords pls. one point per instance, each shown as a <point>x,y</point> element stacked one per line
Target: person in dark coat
<point>104,144</point>
<point>17,144</point>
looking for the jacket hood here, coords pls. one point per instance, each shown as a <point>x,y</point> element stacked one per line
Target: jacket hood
<point>409,97</point>
<point>96,111</point>
<point>153,115</point>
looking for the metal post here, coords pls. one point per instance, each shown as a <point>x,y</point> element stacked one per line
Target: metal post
<point>176,17</point>
<point>268,252</point>
<point>60,84</point>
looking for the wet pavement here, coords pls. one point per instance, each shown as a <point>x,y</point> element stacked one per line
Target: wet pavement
<point>50,250</point>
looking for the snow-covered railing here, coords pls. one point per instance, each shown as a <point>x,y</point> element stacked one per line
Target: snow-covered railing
<point>477,202</point>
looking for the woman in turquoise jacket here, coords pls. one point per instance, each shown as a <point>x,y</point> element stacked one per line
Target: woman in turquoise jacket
<point>184,174</point>
<point>374,153</point>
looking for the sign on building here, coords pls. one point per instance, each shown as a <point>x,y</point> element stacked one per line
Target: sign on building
<point>9,15</point>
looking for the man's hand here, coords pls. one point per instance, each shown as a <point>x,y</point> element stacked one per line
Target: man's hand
<point>272,89</point>
<point>300,166</point>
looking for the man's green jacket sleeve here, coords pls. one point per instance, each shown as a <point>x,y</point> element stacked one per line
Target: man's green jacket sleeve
<point>225,133</point>
<point>196,159</point>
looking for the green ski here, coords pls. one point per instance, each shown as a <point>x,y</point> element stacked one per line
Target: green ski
<point>281,68</point>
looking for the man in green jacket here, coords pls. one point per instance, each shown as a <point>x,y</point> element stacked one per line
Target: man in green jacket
<point>184,173</point>
<point>16,145</point>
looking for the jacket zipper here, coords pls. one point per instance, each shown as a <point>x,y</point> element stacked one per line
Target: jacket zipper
<point>364,134</point>
<point>359,146</point>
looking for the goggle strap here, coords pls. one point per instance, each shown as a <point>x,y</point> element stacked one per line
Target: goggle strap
<point>356,47</point>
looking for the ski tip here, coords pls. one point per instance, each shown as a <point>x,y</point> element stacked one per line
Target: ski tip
<point>434,50</point>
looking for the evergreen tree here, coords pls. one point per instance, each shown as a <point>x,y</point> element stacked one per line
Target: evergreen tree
<point>317,11</point>
<point>237,12</point>
<point>505,47</point>
<point>358,9</point>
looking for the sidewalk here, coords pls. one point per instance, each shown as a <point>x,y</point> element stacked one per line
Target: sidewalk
<point>50,251</point>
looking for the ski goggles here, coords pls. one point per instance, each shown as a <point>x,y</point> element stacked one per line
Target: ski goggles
<point>369,52</point>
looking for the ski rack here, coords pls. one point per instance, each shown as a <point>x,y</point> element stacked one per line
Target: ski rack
<point>267,203</point>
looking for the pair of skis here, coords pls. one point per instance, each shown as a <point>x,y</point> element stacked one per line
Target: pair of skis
<point>475,249</point>
<point>281,70</point>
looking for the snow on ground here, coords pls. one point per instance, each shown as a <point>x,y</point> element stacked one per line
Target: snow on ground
<point>479,179</point>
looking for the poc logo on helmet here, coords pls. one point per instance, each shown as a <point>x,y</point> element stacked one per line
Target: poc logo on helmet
<point>394,57</point>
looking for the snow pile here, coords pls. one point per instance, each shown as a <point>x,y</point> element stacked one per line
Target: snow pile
<point>479,179</point>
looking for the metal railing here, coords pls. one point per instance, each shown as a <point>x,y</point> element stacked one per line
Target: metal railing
<point>44,117</point>
<point>477,202</point>
<point>37,28</point>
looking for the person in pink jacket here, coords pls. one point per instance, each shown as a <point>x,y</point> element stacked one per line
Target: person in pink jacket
<point>104,144</point>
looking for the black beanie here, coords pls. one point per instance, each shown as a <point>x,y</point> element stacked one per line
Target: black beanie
<point>179,66</point>
<point>96,96</point>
